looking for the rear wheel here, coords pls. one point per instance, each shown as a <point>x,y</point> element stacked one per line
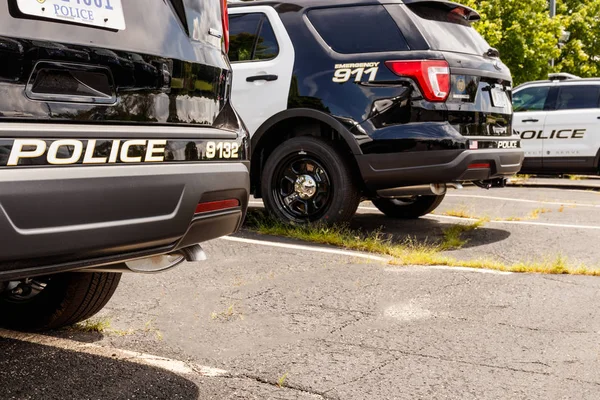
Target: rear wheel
<point>409,208</point>
<point>55,301</point>
<point>307,180</point>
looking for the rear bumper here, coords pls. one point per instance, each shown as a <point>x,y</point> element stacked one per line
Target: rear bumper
<point>383,171</point>
<point>55,219</point>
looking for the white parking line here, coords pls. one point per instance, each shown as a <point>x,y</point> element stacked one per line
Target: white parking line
<point>175,366</point>
<point>556,203</point>
<point>462,269</point>
<point>315,249</point>
<point>442,217</point>
<point>530,223</point>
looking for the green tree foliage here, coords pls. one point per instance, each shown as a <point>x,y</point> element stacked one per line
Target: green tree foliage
<point>523,32</point>
<point>580,55</point>
<point>528,38</point>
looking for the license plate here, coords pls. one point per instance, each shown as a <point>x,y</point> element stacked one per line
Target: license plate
<point>498,98</point>
<point>100,13</point>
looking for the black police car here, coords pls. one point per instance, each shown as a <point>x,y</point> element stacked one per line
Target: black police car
<point>119,148</point>
<point>393,101</point>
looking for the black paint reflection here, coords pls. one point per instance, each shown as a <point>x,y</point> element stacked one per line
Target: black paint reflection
<point>150,89</point>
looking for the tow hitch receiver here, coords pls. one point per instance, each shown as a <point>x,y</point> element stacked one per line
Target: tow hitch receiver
<point>491,183</point>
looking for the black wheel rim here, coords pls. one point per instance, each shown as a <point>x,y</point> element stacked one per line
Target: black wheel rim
<point>25,290</point>
<point>302,188</point>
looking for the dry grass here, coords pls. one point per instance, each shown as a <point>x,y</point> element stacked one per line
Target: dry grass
<point>453,236</point>
<point>410,251</point>
<point>92,325</point>
<point>226,315</point>
<point>509,219</point>
<point>521,177</point>
<point>150,328</point>
<point>281,380</point>
<point>459,213</point>
<point>558,265</point>
<point>575,177</point>
<point>535,214</point>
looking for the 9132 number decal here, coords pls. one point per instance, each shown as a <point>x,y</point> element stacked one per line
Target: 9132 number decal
<point>356,71</point>
<point>222,150</point>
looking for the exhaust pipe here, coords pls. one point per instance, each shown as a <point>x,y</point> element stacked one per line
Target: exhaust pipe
<point>154,264</point>
<point>193,253</point>
<point>436,189</point>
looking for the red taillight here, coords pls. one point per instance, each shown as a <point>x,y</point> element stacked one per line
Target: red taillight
<point>225,23</point>
<point>433,76</point>
<point>479,166</point>
<point>216,205</point>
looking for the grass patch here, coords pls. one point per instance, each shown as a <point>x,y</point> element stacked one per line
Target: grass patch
<point>558,265</point>
<point>282,379</point>
<point>509,219</point>
<point>338,235</point>
<point>92,325</point>
<point>408,252</point>
<point>226,315</point>
<point>453,236</point>
<point>575,177</point>
<point>459,213</point>
<point>150,328</point>
<point>535,214</point>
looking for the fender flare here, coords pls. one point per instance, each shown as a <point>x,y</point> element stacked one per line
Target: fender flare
<point>348,137</point>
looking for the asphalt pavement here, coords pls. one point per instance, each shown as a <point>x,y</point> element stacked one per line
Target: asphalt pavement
<point>275,319</point>
<point>522,224</point>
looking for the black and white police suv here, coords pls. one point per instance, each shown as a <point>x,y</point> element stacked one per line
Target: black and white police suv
<point>558,121</point>
<point>393,101</point>
<point>119,148</point>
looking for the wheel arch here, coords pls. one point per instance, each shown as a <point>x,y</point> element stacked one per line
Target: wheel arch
<point>597,162</point>
<point>293,123</point>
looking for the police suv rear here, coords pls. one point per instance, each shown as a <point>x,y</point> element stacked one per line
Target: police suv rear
<point>119,148</point>
<point>392,101</point>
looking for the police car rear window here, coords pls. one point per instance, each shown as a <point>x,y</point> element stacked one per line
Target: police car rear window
<point>446,30</point>
<point>358,29</point>
<point>578,97</point>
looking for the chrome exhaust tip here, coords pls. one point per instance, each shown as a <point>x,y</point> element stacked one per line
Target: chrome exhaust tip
<point>155,264</point>
<point>193,253</point>
<point>454,185</point>
<point>436,189</point>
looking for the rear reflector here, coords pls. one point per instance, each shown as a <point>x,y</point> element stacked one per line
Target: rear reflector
<point>479,166</point>
<point>433,76</point>
<point>216,205</point>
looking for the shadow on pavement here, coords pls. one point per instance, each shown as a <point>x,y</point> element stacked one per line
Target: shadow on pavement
<point>424,230</point>
<point>34,371</point>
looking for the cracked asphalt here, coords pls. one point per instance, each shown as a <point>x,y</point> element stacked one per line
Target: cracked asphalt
<point>292,324</point>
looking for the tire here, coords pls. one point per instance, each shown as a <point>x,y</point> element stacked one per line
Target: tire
<point>421,205</point>
<point>299,163</point>
<point>66,299</point>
